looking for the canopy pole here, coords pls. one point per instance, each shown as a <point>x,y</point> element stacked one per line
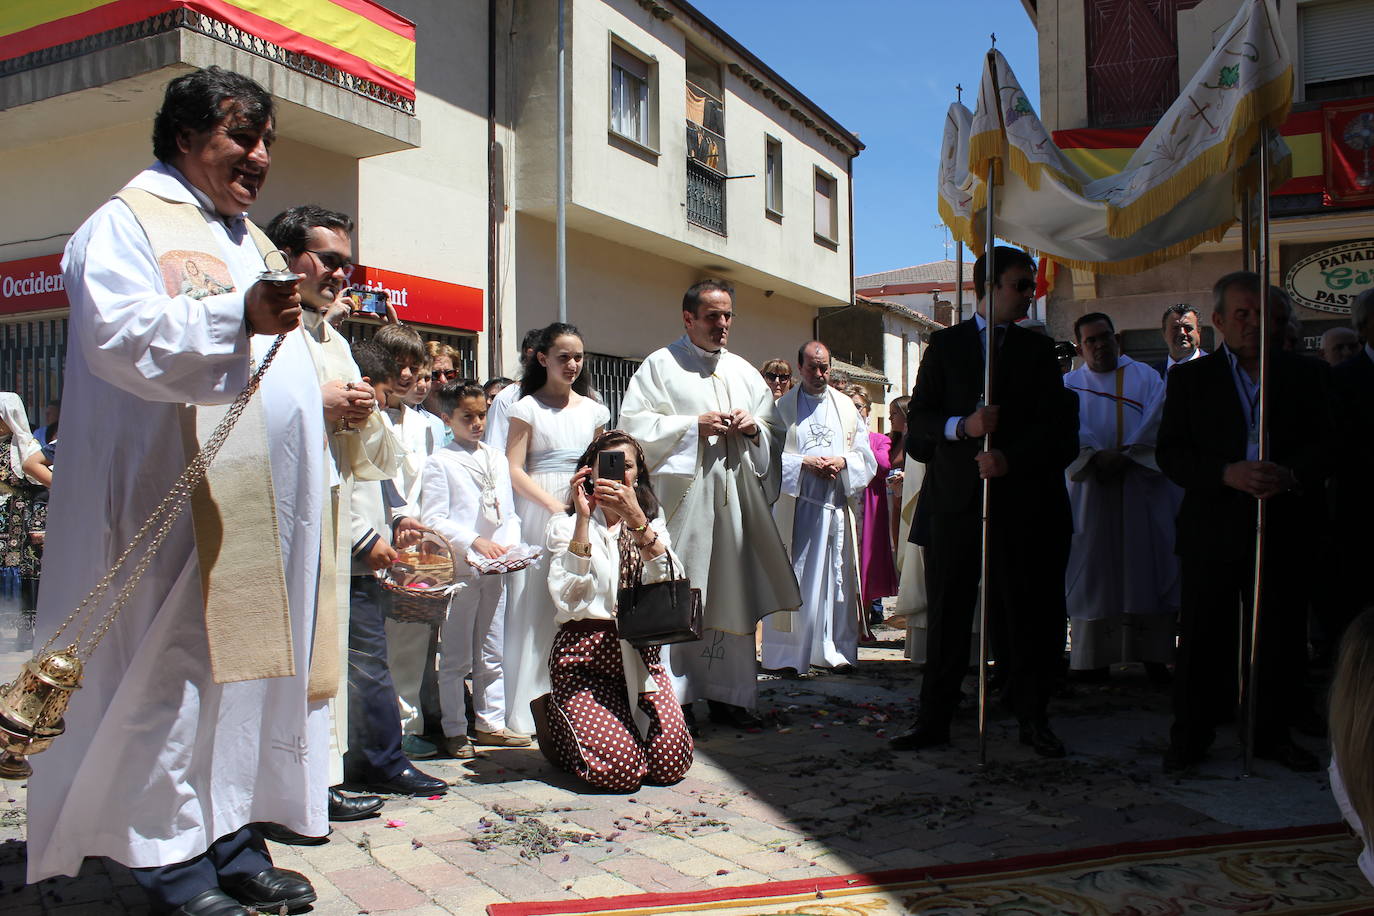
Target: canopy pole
<point>1262,262</point>
<point>958,282</point>
<point>561,167</point>
<point>989,355</point>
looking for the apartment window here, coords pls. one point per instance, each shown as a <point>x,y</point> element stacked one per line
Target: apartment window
<point>827,224</point>
<point>631,97</point>
<point>1336,38</point>
<point>772,176</point>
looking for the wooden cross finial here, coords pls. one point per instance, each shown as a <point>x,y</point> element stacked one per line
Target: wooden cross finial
<point>994,39</point>
<point>958,92</point>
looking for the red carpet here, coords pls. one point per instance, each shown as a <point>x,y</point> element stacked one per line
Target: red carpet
<point>1307,870</point>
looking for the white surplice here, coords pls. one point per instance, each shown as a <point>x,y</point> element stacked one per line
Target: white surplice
<point>158,761</point>
<point>816,521</point>
<point>717,494</point>
<point>1122,579</point>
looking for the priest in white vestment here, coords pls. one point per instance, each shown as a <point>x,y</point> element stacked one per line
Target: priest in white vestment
<point>826,463</point>
<point>709,431</point>
<point>1122,583</point>
<point>174,746</point>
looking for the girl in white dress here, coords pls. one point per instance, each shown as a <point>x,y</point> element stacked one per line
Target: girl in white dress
<point>550,426</point>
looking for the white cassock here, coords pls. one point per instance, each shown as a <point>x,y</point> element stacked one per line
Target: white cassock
<point>816,520</point>
<point>1122,583</point>
<point>159,761</point>
<point>716,494</point>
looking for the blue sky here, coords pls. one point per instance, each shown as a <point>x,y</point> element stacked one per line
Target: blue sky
<point>886,70</point>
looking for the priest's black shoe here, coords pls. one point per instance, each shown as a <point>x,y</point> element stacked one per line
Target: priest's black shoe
<point>1298,759</point>
<point>272,889</point>
<point>729,714</point>
<point>920,738</point>
<point>352,807</point>
<point>279,834</point>
<point>689,717</point>
<point>213,902</point>
<point>409,781</point>
<point>1043,741</point>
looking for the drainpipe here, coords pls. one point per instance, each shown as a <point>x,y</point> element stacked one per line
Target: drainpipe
<point>561,230</point>
<point>494,364</point>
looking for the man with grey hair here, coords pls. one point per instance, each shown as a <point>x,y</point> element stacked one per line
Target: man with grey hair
<point>1339,344</point>
<point>1209,443</point>
<point>1182,335</point>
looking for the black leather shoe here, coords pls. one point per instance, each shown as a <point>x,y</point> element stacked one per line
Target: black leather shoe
<point>271,889</point>
<point>409,781</point>
<point>690,717</point>
<point>213,902</point>
<point>729,714</point>
<point>279,834</point>
<point>1298,759</point>
<point>1181,758</point>
<point>352,808</point>
<point>1043,741</point>
<point>920,738</point>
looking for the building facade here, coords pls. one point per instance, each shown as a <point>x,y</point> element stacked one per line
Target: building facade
<point>1108,71</point>
<point>433,124</point>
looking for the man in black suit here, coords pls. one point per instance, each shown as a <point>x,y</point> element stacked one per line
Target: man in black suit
<point>1182,335</point>
<point>1209,444</point>
<point>1034,422</point>
<point>1352,491</point>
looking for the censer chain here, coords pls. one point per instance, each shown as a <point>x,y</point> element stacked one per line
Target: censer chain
<point>158,525</point>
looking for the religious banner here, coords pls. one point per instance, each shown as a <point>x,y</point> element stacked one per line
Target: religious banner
<point>1178,189</point>
<point>1349,147</point>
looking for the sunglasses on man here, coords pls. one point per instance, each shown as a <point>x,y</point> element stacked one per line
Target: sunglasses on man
<point>444,375</point>
<point>331,262</point>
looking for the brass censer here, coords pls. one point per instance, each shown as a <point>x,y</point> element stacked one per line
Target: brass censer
<point>31,708</point>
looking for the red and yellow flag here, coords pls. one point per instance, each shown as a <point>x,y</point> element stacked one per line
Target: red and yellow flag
<point>357,36</point>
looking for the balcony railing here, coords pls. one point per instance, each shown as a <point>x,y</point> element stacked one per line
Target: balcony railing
<point>706,147</point>
<point>705,197</point>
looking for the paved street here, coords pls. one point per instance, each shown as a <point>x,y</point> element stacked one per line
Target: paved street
<point>817,793</point>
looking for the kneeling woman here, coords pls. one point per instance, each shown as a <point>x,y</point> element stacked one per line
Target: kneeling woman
<point>606,537</point>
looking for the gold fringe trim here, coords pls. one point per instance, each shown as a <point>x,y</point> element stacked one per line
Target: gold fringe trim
<point>1269,103</point>
<point>990,144</point>
<point>1029,172</point>
<point>963,228</point>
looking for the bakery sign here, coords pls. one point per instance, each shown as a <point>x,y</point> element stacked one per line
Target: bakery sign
<point>1330,279</point>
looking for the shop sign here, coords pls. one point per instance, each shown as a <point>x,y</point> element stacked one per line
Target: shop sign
<point>1330,279</point>
<point>32,285</point>
<point>424,301</point>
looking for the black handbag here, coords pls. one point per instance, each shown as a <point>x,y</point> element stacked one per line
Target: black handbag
<point>659,613</point>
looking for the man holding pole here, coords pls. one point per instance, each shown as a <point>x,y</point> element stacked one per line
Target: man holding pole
<point>1209,444</point>
<point>1034,425</point>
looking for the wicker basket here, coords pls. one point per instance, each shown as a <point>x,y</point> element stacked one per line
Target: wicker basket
<point>421,581</point>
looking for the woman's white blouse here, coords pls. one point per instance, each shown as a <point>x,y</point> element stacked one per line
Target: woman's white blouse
<point>584,588</point>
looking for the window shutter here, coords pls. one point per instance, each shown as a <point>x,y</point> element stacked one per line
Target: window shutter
<point>1337,40</point>
<point>629,63</point>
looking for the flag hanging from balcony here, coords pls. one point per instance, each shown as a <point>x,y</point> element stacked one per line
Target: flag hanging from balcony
<point>1348,131</point>
<point>1179,187</point>
<point>358,37</point>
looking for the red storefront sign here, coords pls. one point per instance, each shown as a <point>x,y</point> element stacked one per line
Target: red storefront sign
<point>424,301</point>
<point>32,285</point>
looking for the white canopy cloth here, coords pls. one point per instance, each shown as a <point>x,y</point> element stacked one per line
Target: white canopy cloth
<point>1179,188</point>
<point>158,761</point>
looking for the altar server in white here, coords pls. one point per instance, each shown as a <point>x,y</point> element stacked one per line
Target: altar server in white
<point>466,496</point>
<point>1122,581</point>
<point>707,424</point>
<point>826,462</point>
<point>203,711</point>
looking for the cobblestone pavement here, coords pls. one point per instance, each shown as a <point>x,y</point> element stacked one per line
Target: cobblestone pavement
<point>814,794</point>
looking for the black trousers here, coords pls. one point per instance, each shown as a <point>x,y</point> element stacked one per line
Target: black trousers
<point>1206,677</point>
<point>374,718</point>
<point>241,854</point>
<point>1026,612</point>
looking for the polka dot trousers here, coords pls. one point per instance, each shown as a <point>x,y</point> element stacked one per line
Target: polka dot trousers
<point>594,733</point>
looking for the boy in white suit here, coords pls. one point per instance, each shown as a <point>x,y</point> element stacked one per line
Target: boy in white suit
<point>465,495</point>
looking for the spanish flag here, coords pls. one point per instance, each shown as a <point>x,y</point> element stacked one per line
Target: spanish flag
<point>358,37</point>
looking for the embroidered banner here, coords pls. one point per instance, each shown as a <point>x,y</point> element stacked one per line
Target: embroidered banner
<point>1349,146</point>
